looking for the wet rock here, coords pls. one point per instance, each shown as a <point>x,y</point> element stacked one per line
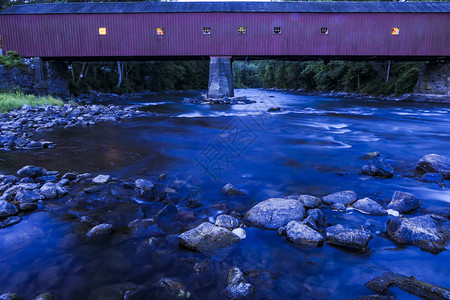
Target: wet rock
<point>317,215</point>
<point>310,201</point>
<point>308,221</point>
<point>63,182</point>
<point>372,155</point>
<point>275,108</point>
<point>237,287</point>
<point>100,230</point>
<point>10,296</point>
<point>47,178</point>
<point>435,163</point>
<point>174,288</point>
<point>112,291</point>
<point>207,237</point>
<point>143,186</point>
<point>339,235</point>
<point>45,296</point>
<point>404,202</point>
<point>101,179</point>
<point>240,232</point>
<point>162,177</point>
<point>229,189</point>
<point>227,222</point>
<point>378,168</point>
<point>369,206</point>
<point>7,209</point>
<point>10,221</point>
<point>340,200</point>
<point>27,196</point>
<point>275,213</point>
<point>31,171</point>
<point>437,210</point>
<point>303,235</point>
<point>28,206</point>
<point>52,190</point>
<point>432,177</point>
<point>27,180</point>
<point>70,176</point>
<point>143,227</point>
<point>430,232</point>
<point>410,285</point>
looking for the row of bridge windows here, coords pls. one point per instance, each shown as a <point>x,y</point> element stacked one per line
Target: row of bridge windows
<point>243,30</point>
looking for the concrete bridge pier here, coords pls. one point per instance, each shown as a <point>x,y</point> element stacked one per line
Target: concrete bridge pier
<point>51,77</point>
<point>220,77</point>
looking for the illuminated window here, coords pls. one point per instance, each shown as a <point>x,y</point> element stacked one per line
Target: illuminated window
<point>160,31</point>
<point>102,31</point>
<point>241,30</point>
<point>324,30</point>
<point>395,31</point>
<point>206,30</point>
<point>277,30</point>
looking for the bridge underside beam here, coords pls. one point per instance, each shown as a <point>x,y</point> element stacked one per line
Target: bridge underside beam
<point>220,78</point>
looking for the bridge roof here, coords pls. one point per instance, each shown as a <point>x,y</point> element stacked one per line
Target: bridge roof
<point>206,7</point>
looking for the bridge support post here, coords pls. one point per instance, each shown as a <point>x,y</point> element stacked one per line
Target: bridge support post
<point>51,77</point>
<point>434,78</point>
<point>220,77</point>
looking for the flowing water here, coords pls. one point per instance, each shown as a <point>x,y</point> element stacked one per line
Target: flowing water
<point>314,145</point>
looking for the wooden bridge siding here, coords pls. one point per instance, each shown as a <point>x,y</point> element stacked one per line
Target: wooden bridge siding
<point>350,34</point>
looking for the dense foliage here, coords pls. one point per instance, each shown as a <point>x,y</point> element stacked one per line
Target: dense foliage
<point>11,60</point>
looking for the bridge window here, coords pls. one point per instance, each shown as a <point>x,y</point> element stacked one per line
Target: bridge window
<point>241,30</point>
<point>206,30</point>
<point>160,31</point>
<point>102,31</point>
<point>395,31</point>
<point>324,30</point>
<point>277,30</point>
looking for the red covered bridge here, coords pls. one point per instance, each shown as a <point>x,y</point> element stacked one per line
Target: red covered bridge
<point>180,30</point>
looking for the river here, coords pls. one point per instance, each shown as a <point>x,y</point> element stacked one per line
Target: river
<point>313,145</point>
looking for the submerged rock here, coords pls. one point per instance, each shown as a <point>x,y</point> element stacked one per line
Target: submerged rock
<point>339,235</point>
<point>429,232</point>
<point>101,179</point>
<point>7,209</point>
<point>229,189</point>
<point>378,168</point>
<point>44,296</point>
<point>310,201</point>
<point>227,222</point>
<point>425,290</point>
<point>432,177</point>
<point>340,199</point>
<point>301,234</point>
<point>208,236</point>
<point>10,296</point>
<point>99,230</point>
<point>10,221</point>
<point>275,213</point>
<point>31,171</point>
<point>435,163</point>
<point>368,206</point>
<point>404,202</point>
<point>237,287</point>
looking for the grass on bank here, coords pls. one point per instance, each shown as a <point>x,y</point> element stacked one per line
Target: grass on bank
<point>11,101</point>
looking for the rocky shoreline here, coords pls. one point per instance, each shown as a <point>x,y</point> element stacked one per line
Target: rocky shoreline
<point>152,209</point>
<point>19,126</point>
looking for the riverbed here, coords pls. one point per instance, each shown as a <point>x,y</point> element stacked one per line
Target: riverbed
<point>312,145</point>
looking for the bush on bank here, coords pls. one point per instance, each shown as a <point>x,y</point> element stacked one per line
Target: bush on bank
<point>11,101</point>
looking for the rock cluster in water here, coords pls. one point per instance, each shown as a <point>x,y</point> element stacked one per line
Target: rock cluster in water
<point>19,126</point>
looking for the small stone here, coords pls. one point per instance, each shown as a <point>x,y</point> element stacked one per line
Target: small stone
<point>275,108</point>
<point>144,184</point>
<point>378,168</point>
<point>432,177</point>
<point>70,176</point>
<point>229,189</point>
<point>162,177</point>
<point>339,235</point>
<point>404,202</point>
<point>227,222</point>
<point>275,213</point>
<point>344,198</point>
<point>63,182</point>
<point>207,237</point>
<point>304,235</point>
<point>100,230</point>
<point>237,287</point>
<point>368,206</point>
<point>101,179</point>
<point>10,296</point>
<point>31,171</point>
<point>240,232</point>
<point>7,209</point>
<point>310,201</point>
<point>372,155</point>
<point>47,178</point>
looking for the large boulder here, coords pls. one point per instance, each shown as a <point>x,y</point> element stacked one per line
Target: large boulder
<point>404,202</point>
<point>275,213</point>
<point>429,232</point>
<point>339,235</point>
<point>340,200</point>
<point>378,168</point>
<point>435,163</point>
<point>302,234</point>
<point>208,236</point>
<point>31,171</point>
<point>7,209</point>
<point>368,206</point>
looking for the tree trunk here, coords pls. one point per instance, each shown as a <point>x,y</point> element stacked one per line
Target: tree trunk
<point>119,70</point>
<point>388,71</point>
<point>83,69</point>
